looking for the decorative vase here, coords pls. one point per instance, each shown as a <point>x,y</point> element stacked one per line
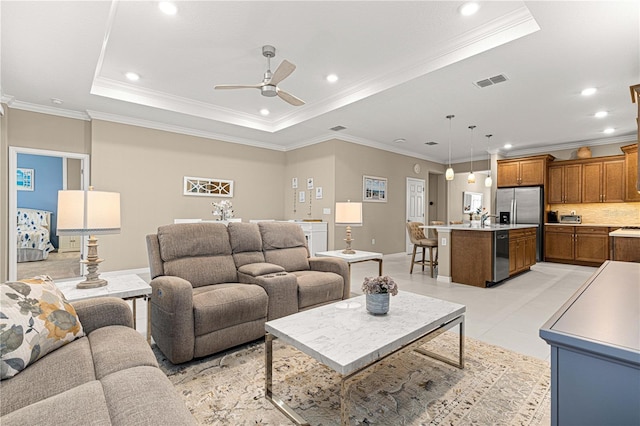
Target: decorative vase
<point>378,304</point>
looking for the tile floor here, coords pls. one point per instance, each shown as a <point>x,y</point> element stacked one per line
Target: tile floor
<point>507,315</point>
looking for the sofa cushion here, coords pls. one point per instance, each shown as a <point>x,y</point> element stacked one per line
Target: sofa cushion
<point>192,240</point>
<point>284,244</point>
<point>116,347</point>
<point>316,287</point>
<point>35,319</point>
<point>144,396</point>
<point>224,305</point>
<point>246,243</point>
<point>291,259</point>
<point>81,405</point>
<point>203,271</point>
<point>50,375</point>
<point>257,269</point>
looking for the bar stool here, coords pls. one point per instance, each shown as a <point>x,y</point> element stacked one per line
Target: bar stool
<point>418,239</point>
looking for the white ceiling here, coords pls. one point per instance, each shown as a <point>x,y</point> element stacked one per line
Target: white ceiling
<point>402,67</point>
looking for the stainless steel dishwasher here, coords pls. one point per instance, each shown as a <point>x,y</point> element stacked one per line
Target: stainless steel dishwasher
<point>500,255</point>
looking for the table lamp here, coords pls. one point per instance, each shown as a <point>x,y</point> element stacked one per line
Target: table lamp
<point>89,213</point>
<point>349,214</point>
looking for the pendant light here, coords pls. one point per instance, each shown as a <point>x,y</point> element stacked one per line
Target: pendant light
<point>448,175</point>
<point>488,182</point>
<point>471,178</point>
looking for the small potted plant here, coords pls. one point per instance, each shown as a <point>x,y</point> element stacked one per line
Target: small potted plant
<point>377,290</point>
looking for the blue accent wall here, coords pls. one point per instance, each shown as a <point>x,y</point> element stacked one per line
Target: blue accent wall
<point>47,183</point>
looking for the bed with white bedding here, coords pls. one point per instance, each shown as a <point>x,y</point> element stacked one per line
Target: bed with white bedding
<point>33,235</point>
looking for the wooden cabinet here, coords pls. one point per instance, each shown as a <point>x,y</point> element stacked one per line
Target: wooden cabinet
<point>528,171</point>
<point>580,245</point>
<point>565,184</point>
<point>603,181</point>
<point>522,249</point>
<point>472,257</point>
<point>631,172</point>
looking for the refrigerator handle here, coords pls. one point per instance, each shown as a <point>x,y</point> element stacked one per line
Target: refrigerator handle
<point>515,211</point>
<point>512,213</point>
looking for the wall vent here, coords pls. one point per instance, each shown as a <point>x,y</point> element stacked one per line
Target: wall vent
<point>337,128</point>
<point>500,78</point>
<point>431,143</point>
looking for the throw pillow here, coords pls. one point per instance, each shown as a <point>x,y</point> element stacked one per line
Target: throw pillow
<point>35,319</point>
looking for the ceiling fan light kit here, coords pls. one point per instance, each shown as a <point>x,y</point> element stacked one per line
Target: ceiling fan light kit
<point>269,86</point>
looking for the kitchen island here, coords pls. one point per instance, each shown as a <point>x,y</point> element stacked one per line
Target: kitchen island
<point>625,245</point>
<point>483,256</point>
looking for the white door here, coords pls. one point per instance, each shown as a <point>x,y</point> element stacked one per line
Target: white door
<point>415,205</point>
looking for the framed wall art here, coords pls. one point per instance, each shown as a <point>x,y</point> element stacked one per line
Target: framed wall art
<point>208,187</point>
<point>25,179</point>
<point>374,189</point>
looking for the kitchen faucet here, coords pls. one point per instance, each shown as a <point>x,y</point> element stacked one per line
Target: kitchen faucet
<point>486,216</point>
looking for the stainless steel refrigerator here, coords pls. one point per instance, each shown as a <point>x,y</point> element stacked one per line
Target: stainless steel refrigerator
<point>525,206</point>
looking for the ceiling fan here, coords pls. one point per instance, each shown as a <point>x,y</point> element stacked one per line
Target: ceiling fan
<point>269,86</point>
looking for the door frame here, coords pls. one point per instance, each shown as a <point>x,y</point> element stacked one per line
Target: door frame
<point>13,195</point>
<point>408,245</point>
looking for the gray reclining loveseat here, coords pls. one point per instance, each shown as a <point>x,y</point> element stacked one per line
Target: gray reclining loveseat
<point>215,286</point>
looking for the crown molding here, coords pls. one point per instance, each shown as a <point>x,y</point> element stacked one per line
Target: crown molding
<point>42,109</point>
<point>631,137</point>
<point>114,118</point>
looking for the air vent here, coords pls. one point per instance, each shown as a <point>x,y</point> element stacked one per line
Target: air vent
<point>431,143</point>
<point>500,78</point>
<point>337,128</point>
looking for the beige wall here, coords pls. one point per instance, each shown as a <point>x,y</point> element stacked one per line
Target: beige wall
<point>384,222</point>
<point>458,186</point>
<point>596,151</point>
<point>147,168</point>
<point>40,131</point>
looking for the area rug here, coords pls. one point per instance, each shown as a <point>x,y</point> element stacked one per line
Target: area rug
<point>496,387</point>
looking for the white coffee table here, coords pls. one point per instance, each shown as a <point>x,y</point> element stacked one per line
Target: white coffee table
<point>127,287</point>
<point>359,256</point>
<point>344,337</point>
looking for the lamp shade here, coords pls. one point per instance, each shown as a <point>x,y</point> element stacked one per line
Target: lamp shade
<point>348,213</point>
<point>88,213</point>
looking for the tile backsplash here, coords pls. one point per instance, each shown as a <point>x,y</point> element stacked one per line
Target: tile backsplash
<point>602,213</point>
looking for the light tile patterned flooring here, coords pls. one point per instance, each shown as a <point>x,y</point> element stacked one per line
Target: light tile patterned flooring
<point>507,315</point>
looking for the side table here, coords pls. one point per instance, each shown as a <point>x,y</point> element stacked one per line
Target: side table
<point>126,287</point>
<point>359,256</point>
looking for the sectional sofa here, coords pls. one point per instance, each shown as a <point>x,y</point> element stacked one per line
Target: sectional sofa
<point>214,286</point>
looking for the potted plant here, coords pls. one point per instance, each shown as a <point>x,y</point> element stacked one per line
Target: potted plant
<point>377,291</point>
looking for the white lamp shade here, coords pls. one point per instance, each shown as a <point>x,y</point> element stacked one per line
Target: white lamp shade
<point>348,213</point>
<point>88,213</point>
<point>449,175</point>
<point>488,182</point>
<point>471,178</point>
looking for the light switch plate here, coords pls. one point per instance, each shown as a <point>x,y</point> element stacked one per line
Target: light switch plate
<point>444,242</point>
<point>326,210</point>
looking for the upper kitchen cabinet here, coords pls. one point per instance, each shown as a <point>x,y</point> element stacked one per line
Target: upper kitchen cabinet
<point>529,171</point>
<point>565,183</point>
<point>631,172</point>
<point>603,180</point>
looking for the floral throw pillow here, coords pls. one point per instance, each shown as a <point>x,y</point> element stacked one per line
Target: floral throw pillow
<point>35,319</point>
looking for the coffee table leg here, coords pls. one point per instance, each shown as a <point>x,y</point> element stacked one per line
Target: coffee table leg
<point>460,362</point>
<point>268,375</point>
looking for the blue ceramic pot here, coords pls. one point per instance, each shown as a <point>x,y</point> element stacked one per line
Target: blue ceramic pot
<point>378,304</point>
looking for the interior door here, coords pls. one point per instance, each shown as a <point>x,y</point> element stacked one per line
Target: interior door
<point>415,205</point>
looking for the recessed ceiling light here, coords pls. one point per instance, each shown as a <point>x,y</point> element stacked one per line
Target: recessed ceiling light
<point>332,78</point>
<point>132,76</point>
<point>57,101</point>
<point>609,130</point>
<point>469,9</point>
<point>264,112</point>
<point>400,140</point>
<point>168,8</point>
<point>589,91</point>
<point>508,146</point>
<point>601,114</point>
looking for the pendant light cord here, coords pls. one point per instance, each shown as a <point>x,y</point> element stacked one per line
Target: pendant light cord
<point>450,117</point>
<point>488,155</point>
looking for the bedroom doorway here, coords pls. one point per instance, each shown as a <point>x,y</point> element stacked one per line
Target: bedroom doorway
<point>74,171</point>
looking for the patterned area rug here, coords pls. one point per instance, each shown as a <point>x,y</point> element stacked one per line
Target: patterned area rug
<point>496,387</point>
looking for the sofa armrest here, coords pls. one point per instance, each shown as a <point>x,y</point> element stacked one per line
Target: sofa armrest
<point>172,324</point>
<point>258,269</point>
<point>335,265</point>
<point>101,312</point>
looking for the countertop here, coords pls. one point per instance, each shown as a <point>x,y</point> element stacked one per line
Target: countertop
<point>492,227</point>
<point>633,233</point>
<point>608,225</point>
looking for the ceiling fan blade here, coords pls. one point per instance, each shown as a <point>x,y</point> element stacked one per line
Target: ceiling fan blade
<point>288,97</point>
<point>283,71</point>
<point>237,86</point>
